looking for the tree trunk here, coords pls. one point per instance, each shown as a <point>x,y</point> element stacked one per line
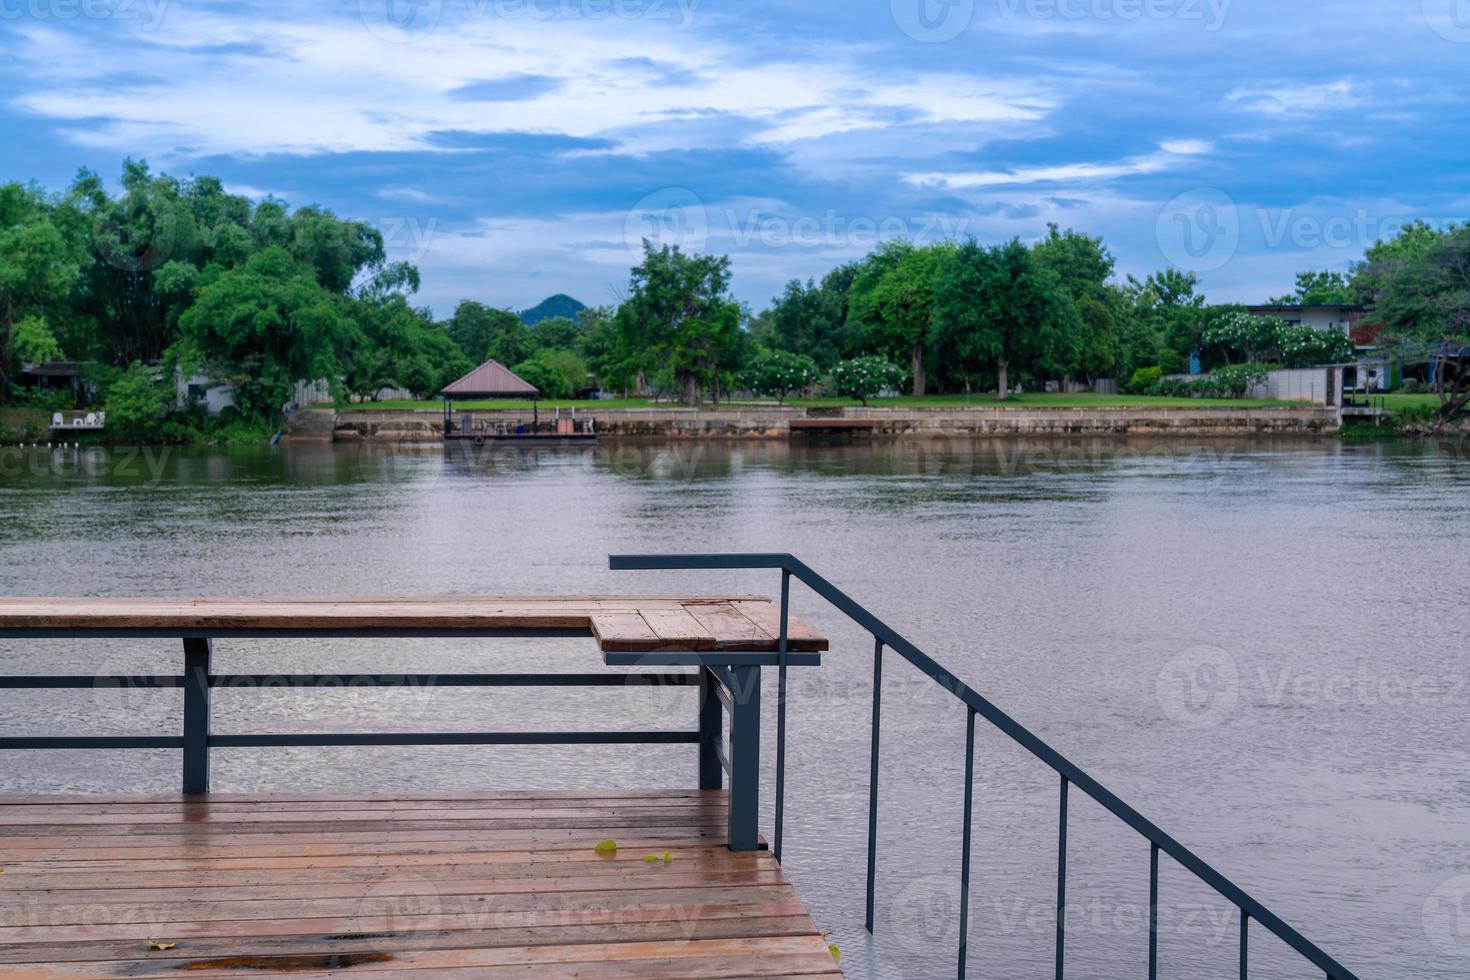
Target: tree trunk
<point>1001,365</point>
<point>691,392</point>
<point>921,383</point>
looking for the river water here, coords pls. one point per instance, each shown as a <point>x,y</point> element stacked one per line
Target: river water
<point>1261,645</point>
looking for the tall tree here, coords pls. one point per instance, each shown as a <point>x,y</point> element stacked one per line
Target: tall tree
<point>999,306</point>
<point>679,314</point>
<point>1084,266</point>
<point>37,269</point>
<point>262,327</point>
<point>1421,294</point>
<point>892,302</point>
<point>483,332</point>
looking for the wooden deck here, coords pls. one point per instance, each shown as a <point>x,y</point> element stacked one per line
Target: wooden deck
<point>482,885</point>
<point>740,623</point>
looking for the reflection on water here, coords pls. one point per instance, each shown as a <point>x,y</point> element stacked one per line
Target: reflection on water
<point>1259,643</point>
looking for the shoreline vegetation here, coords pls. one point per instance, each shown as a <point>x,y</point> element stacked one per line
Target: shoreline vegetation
<point>168,291</point>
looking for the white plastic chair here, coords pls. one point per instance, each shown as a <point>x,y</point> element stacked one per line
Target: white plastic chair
<point>57,419</point>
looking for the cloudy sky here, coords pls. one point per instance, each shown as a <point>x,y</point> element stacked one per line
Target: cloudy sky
<point>518,148</point>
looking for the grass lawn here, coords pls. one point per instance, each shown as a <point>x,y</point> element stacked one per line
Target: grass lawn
<point>1405,403</point>
<point>1035,400</point>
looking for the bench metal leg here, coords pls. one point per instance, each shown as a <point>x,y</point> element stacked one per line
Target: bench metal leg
<point>196,715</point>
<point>745,758</point>
<point>711,731</point>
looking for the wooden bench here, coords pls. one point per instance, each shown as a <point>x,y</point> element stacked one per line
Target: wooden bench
<point>472,884</point>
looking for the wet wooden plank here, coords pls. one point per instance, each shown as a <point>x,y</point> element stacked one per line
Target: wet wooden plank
<point>391,886</point>
<point>766,615</point>
<point>619,623</point>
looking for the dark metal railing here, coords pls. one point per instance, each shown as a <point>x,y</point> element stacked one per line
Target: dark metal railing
<point>1070,774</point>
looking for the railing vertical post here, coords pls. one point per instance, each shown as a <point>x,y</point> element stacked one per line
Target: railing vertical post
<point>711,731</point>
<point>873,776</point>
<point>745,758</point>
<point>781,649</point>
<point>196,715</point>
<point>1245,931</point>
<point>965,853</point>
<point>1153,912</point>
<point>1062,884</point>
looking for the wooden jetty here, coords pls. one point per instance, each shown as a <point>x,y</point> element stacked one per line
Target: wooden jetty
<point>482,884</point>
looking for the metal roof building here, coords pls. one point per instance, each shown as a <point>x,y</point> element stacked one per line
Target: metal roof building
<point>490,380</point>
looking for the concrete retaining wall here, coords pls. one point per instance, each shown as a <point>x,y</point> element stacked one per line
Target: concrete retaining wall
<point>774,423</point>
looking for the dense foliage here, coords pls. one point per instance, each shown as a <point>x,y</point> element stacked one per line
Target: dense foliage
<point>172,277</point>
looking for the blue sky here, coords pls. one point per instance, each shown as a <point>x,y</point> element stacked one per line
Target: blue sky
<point>518,148</point>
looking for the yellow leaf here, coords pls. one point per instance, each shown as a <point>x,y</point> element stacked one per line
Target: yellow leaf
<point>836,953</point>
<point>158,945</point>
<point>606,847</point>
<point>650,858</point>
<point>668,856</point>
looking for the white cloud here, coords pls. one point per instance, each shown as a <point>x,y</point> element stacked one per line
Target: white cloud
<point>1298,100</point>
<point>335,87</point>
<point>1171,153</point>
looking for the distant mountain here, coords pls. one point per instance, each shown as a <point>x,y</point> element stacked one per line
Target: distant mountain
<point>559,305</point>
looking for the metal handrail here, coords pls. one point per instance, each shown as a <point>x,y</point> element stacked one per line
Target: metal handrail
<point>1071,774</point>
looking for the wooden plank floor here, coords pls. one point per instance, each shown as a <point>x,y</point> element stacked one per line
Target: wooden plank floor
<point>484,885</point>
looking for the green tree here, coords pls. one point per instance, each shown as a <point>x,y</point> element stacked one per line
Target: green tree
<point>1319,289</point>
<point>1084,266</point>
<point>136,403</point>
<point>778,373</point>
<point>808,319</point>
<point>556,333</point>
<point>999,306</point>
<point>37,269</point>
<point>891,302</point>
<point>542,376</point>
<point>866,377</point>
<point>679,314</point>
<point>262,327</point>
<point>35,343</point>
<point>1420,286</point>
<point>483,333</point>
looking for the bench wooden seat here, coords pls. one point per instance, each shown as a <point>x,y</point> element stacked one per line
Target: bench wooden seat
<point>618,623</point>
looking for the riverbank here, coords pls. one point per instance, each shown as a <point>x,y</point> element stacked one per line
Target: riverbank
<point>734,423</point>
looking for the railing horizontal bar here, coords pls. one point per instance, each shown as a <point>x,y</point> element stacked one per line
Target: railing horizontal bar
<point>164,681</point>
<point>94,742</point>
<point>453,680</point>
<point>306,632</point>
<point>456,738</point>
<point>1008,725</point>
<point>36,682</point>
<point>706,658</point>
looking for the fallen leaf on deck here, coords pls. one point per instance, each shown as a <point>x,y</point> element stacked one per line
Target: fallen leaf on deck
<point>158,945</point>
<point>606,847</point>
